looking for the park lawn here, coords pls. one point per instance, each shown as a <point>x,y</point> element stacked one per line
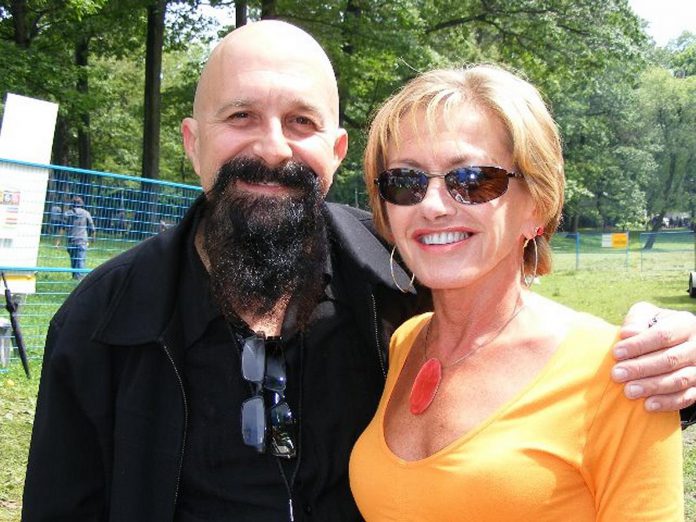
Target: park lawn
<point>607,294</point>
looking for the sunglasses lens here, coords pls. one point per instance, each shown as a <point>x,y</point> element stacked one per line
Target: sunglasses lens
<point>475,185</point>
<point>282,431</point>
<point>402,186</point>
<point>275,378</point>
<point>253,359</point>
<point>254,422</point>
<point>263,363</point>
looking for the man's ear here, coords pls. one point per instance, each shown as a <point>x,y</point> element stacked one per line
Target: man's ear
<point>189,134</point>
<point>340,146</point>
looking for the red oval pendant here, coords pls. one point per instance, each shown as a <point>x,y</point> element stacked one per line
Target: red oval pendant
<point>425,386</point>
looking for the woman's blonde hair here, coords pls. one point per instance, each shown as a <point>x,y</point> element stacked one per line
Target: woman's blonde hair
<point>534,138</point>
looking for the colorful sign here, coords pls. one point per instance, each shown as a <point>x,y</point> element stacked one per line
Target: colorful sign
<point>615,240</point>
<point>26,135</point>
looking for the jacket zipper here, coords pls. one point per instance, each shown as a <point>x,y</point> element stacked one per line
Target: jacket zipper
<point>378,344</point>
<point>183,438</point>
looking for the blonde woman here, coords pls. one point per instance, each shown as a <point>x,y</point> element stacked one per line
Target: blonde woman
<point>498,406</point>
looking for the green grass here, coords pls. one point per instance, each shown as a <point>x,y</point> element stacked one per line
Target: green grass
<point>690,474</point>
<point>17,404</point>
<point>606,293</point>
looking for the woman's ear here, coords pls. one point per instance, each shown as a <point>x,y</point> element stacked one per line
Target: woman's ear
<point>532,232</point>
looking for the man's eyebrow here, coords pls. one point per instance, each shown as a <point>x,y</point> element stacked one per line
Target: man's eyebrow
<point>302,105</point>
<point>238,103</point>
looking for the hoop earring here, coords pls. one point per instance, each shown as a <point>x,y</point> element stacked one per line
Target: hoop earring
<point>529,279</point>
<point>393,276</point>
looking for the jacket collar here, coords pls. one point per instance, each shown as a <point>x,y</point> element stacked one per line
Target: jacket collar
<point>144,304</point>
<point>357,239</point>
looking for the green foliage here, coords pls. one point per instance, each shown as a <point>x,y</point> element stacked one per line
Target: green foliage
<point>668,106</point>
<point>682,58</point>
<point>117,134</point>
<point>587,57</point>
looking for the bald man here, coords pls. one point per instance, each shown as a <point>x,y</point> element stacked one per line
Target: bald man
<point>223,369</point>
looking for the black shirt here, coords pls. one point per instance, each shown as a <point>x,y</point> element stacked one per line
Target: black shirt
<point>223,479</point>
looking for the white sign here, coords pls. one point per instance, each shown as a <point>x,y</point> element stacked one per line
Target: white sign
<point>26,135</point>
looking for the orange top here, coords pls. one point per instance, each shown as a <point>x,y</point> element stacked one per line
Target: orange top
<point>569,446</point>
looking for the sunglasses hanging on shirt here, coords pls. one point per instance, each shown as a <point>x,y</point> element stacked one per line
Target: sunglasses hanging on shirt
<point>267,421</point>
<point>470,185</point>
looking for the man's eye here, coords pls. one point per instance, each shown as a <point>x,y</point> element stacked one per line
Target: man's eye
<point>303,120</point>
<point>239,115</point>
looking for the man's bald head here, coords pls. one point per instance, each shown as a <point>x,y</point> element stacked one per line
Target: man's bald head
<point>267,44</point>
<point>268,92</point>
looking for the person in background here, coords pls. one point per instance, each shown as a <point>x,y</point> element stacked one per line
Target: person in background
<point>118,223</point>
<point>79,229</point>
<point>56,221</point>
<point>499,404</point>
<point>223,369</point>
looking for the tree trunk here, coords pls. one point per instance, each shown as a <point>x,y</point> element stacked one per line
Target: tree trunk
<point>60,142</point>
<point>666,197</point>
<point>350,20</point>
<point>145,216</point>
<point>153,71</point>
<point>57,185</point>
<point>84,138</point>
<point>240,13</point>
<point>18,9</point>
<point>268,9</point>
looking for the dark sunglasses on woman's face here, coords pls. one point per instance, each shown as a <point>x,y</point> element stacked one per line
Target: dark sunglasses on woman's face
<point>263,365</point>
<point>467,185</point>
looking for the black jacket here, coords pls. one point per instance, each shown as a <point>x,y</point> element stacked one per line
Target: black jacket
<point>111,415</point>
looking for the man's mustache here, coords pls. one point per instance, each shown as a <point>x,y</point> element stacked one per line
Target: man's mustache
<point>292,175</point>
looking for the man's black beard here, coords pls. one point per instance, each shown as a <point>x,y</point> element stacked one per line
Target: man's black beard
<point>265,248</point>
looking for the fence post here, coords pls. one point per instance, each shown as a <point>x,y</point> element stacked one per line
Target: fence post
<point>628,244</point>
<point>640,248</point>
<point>577,251</point>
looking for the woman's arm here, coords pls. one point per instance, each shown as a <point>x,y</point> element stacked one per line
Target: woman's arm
<point>634,461</point>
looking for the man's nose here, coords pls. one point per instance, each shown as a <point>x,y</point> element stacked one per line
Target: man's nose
<point>272,146</point>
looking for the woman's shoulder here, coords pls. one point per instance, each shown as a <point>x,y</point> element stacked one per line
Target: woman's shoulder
<point>412,326</point>
<point>405,335</point>
<point>575,322</point>
<point>583,340</point>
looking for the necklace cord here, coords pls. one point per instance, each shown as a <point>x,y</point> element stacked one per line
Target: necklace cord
<point>477,347</point>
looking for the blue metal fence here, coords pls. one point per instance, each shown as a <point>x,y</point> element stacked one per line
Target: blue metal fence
<point>643,251</point>
<point>668,251</point>
<point>591,250</point>
<point>125,211</point>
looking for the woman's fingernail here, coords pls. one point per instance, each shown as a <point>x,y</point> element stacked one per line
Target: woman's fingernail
<point>652,405</point>
<point>620,354</point>
<point>634,390</point>
<point>619,374</point>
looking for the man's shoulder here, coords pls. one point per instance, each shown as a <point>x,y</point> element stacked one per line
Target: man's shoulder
<point>357,244</point>
<point>347,210</point>
<point>352,218</point>
<point>141,270</point>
